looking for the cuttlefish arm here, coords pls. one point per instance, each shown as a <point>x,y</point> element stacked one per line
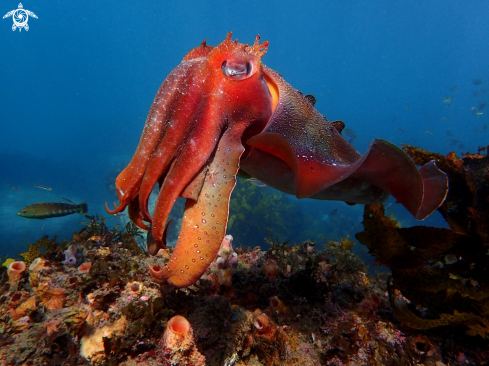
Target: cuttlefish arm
<point>204,222</point>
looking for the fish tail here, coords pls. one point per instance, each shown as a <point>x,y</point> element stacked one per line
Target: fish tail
<point>82,208</point>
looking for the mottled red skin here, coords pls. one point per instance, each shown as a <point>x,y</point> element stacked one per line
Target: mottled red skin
<point>221,110</point>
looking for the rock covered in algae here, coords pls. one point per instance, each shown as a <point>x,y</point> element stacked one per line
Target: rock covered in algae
<point>92,346</point>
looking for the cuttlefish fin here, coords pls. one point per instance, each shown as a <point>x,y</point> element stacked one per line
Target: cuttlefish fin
<point>388,167</point>
<point>205,220</point>
<point>310,176</point>
<point>435,184</point>
<point>383,165</point>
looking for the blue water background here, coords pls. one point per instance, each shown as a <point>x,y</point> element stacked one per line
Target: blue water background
<point>76,88</point>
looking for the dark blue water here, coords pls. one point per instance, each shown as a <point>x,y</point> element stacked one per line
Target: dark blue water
<point>76,88</point>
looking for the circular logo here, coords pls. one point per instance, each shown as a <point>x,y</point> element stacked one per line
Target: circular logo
<point>20,18</point>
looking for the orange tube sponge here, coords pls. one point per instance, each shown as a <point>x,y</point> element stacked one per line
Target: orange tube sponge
<point>263,324</point>
<point>15,271</point>
<point>178,345</point>
<point>178,333</point>
<point>39,264</point>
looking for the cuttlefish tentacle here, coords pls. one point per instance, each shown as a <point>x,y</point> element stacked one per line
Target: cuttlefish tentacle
<point>151,246</point>
<point>204,222</point>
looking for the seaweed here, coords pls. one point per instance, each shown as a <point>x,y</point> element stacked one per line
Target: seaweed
<point>97,228</point>
<point>34,250</point>
<point>251,204</point>
<point>441,272</point>
<point>279,250</point>
<point>7,262</point>
<point>143,316</point>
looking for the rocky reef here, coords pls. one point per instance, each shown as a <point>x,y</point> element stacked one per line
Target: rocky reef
<point>91,301</point>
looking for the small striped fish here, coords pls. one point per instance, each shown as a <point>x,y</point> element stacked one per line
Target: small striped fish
<point>45,210</point>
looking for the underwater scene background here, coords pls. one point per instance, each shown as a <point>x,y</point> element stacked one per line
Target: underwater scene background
<point>77,86</point>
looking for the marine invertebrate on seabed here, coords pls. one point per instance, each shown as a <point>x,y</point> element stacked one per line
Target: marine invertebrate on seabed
<point>73,255</point>
<point>84,267</point>
<point>92,345</point>
<point>226,256</point>
<point>15,271</point>
<point>39,264</point>
<point>53,298</point>
<point>178,345</point>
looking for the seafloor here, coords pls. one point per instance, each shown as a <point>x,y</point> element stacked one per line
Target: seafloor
<point>91,301</point>
<point>300,305</point>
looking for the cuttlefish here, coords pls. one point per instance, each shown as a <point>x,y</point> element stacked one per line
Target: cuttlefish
<point>221,111</point>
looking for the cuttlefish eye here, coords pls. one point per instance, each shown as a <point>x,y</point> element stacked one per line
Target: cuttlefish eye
<point>237,70</point>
